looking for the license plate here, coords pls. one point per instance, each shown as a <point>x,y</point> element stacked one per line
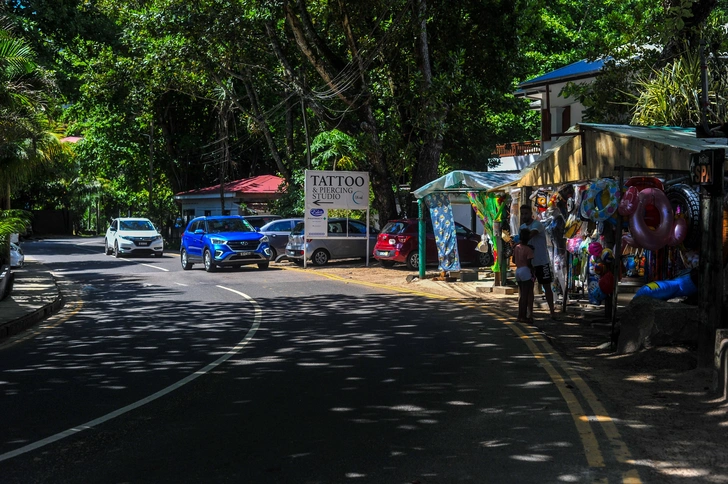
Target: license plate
<point>142,244</point>
<point>245,254</point>
<point>383,253</point>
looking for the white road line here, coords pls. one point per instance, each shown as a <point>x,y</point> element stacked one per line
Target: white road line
<point>156,267</point>
<point>98,421</point>
<point>180,284</point>
<point>90,242</point>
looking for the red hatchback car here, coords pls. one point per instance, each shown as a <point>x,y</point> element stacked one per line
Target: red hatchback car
<point>398,242</point>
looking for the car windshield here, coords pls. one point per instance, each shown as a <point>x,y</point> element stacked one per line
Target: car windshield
<point>135,225</point>
<point>228,225</point>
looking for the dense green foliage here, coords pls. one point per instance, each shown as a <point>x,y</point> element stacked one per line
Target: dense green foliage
<point>172,95</point>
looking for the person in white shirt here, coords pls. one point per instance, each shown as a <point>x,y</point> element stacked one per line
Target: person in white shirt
<point>541,261</point>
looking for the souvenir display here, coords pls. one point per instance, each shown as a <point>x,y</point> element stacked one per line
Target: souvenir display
<point>601,200</point>
<point>667,231</point>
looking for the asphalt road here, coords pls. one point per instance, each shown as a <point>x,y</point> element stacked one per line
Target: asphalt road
<point>154,374</point>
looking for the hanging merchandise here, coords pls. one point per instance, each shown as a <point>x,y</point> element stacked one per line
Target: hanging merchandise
<point>489,207</point>
<point>540,199</point>
<point>513,222</point>
<point>443,224</point>
<point>606,283</point>
<point>596,295</point>
<point>601,200</point>
<point>686,202</point>
<point>667,231</point>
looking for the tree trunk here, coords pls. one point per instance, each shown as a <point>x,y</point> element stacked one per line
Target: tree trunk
<point>384,201</point>
<point>432,109</point>
<point>263,125</point>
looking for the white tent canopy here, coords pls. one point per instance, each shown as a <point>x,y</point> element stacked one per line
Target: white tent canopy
<point>461,181</point>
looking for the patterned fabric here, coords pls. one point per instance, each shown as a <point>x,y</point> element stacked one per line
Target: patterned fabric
<point>443,223</point>
<point>489,207</point>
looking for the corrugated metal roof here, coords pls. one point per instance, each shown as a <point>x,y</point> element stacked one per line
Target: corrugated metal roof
<point>645,147</point>
<point>578,69</point>
<point>674,136</point>
<point>256,184</point>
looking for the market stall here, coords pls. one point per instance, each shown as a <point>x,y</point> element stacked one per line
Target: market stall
<point>464,187</point>
<point>619,206</point>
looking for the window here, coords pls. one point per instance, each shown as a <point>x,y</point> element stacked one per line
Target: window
<point>336,228</point>
<point>357,228</point>
<point>280,227</point>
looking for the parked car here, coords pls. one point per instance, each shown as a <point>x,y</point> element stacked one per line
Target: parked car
<point>257,221</point>
<point>223,241</point>
<point>277,232</point>
<point>399,239</point>
<point>135,236</point>
<point>320,251</point>
<point>17,258</point>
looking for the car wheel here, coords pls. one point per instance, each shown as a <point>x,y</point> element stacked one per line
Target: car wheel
<point>484,259</point>
<point>117,254</point>
<point>184,260</point>
<point>107,249</point>
<point>263,265</point>
<point>207,260</point>
<point>320,257</point>
<point>387,263</point>
<point>413,260</point>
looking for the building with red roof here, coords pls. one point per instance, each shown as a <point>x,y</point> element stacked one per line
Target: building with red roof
<point>239,197</point>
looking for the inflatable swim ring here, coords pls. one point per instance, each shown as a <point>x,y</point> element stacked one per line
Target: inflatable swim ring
<point>601,200</point>
<point>667,231</point>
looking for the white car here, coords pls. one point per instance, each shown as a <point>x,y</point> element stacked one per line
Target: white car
<point>133,236</point>
<point>17,258</point>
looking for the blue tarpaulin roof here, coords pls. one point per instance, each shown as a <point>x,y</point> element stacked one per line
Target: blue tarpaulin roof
<point>466,180</point>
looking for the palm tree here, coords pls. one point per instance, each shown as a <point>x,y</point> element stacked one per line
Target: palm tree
<point>26,139</point>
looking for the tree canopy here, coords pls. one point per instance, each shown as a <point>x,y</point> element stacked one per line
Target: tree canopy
<point>171,95</point>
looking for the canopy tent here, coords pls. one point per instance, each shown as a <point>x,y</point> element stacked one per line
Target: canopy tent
<point>591,151</point>
<point>458,185</point>
<point>464,181</point>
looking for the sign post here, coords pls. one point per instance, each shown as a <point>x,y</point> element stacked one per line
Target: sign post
<point>325,190</point>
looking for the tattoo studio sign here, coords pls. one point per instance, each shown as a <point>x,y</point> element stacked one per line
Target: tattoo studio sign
<point>337,189</point>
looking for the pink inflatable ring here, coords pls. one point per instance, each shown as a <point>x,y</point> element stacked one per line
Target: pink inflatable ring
<point>668,232</point>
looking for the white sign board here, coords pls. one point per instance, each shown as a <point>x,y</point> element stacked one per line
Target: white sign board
<point>337,189</point>
<point>316,220</point>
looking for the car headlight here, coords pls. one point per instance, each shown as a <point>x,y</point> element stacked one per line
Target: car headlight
<point>264,239</point>
<point>217,241</point>
<point>126,237</point>
<point>156,238</point>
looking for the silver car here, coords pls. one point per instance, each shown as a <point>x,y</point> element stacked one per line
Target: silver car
<point>277,232</point>
<point>350,242</point>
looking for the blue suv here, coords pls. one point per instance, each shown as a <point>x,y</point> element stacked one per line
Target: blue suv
<point>223,241</point>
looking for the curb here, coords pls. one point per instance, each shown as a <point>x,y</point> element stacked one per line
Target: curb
<point>11,328</point>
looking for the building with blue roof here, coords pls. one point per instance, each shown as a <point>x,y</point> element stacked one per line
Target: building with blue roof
<point>558,113</point>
